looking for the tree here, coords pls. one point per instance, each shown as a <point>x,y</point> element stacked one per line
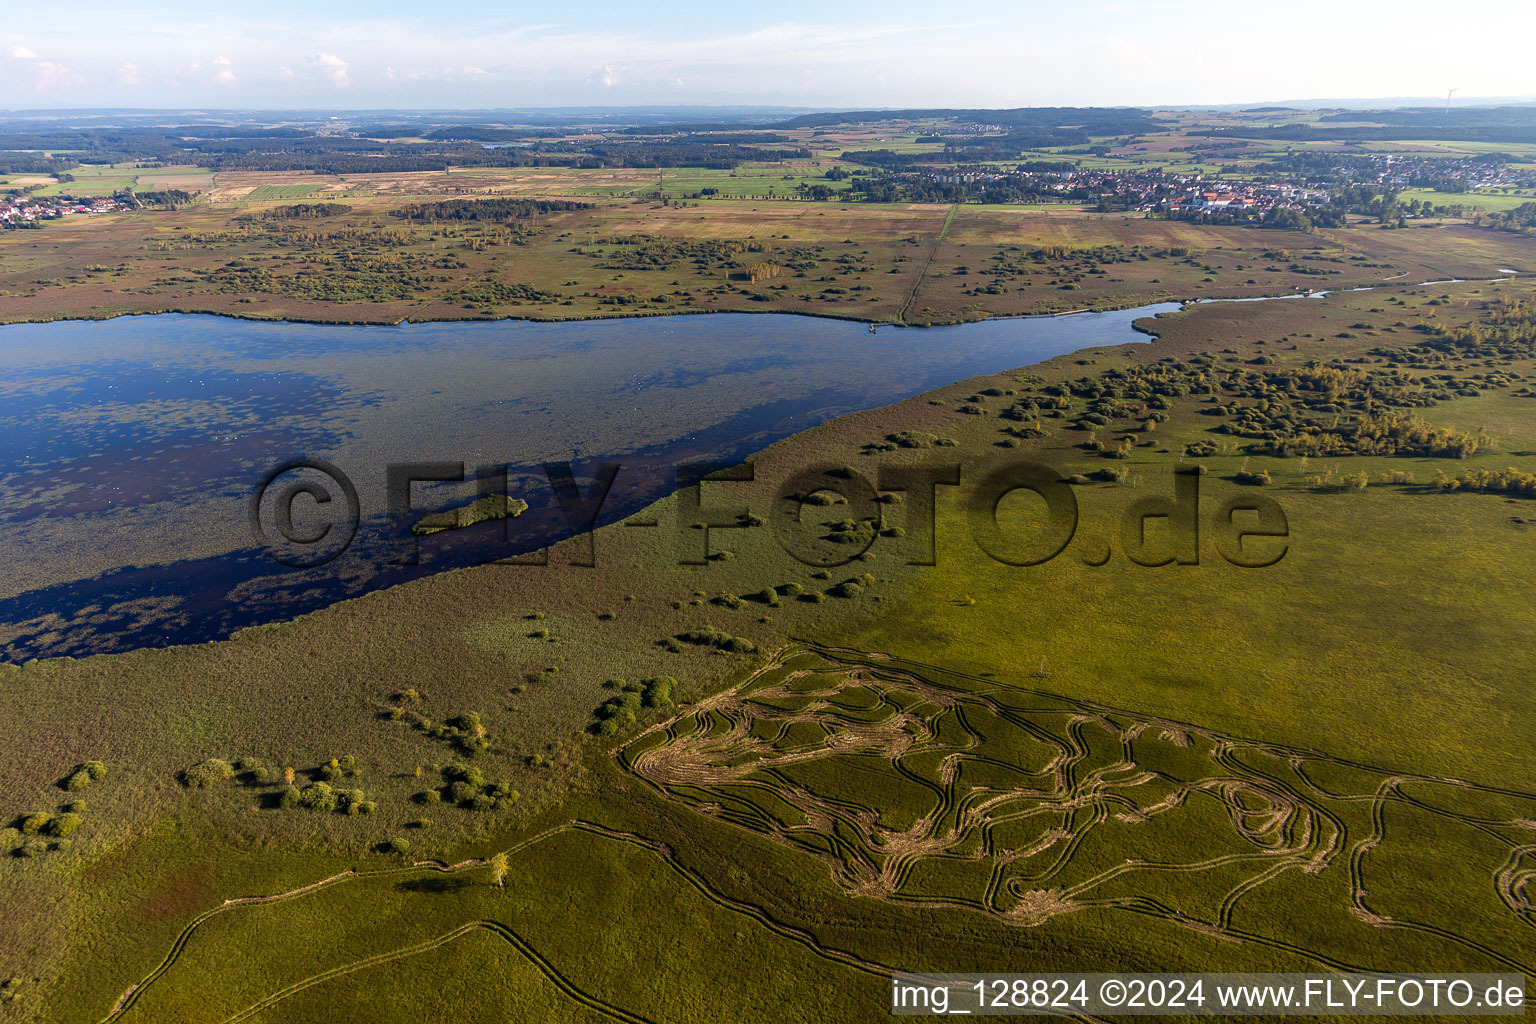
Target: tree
<point>499,869</point>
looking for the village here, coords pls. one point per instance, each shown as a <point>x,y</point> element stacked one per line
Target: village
<point>29,211</point>
<point>1142,191</point>
<point>1301,185</point>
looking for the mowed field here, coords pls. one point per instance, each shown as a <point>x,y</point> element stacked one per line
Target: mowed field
<point>104,179</point>
<point>877,764</point>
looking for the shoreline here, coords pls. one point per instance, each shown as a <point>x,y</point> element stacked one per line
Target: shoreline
<point>581,317</point>
<point>103,316</point>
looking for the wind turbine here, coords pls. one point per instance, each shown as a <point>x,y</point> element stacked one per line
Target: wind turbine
<point>1448,98</point>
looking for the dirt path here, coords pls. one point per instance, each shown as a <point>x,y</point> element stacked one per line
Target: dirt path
<point>923,273</point>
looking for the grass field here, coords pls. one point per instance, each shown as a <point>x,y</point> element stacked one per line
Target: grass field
<point>1192,766</point>
<point>267,192</point>
<point>1484,200</point>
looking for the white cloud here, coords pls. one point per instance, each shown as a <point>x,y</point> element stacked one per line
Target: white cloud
<point>610,76</point>
<point>48,76</point>
<point>470,71</point>
<point>333,67</point>
<point>42,75</point>
<point>128,74</point>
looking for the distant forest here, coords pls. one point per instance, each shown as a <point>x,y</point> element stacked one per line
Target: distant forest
<point>1471,124</point>
<point>289,149</point>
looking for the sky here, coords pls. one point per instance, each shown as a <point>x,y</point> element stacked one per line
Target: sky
<point>894,53</point>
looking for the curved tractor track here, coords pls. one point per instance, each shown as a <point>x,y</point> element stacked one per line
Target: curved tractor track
<point>135,994</point>
<point>923,787</point>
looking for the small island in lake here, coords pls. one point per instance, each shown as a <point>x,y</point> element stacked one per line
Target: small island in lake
<point>492,506</point>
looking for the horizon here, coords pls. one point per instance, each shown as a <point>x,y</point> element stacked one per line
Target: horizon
<point>1363,104</point>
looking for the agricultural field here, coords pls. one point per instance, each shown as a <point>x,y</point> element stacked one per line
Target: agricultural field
<point>1501,200</point>
<point>267,192</point>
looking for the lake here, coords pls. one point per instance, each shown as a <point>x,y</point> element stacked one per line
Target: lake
<point>130,448</point>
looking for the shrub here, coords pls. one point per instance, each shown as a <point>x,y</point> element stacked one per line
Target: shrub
<point>75,806</point>
<point>33,824</point>
<point>658,691</point>
<point>397,845</point>
<point>8,837</point>
<point>32,848</point>
<point>207,773</point>
<point>430,796</point>
<point>462,792</point>
<point>918,439</point>
<point>473,776</point>
<point>317,796</point>
<point>95,768</point>
<point>289,797</point>
<point>419,823</point>
<point>340,767</point>
<point>78,781</point>
<point>709,636</point>
<point>64,825</point>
